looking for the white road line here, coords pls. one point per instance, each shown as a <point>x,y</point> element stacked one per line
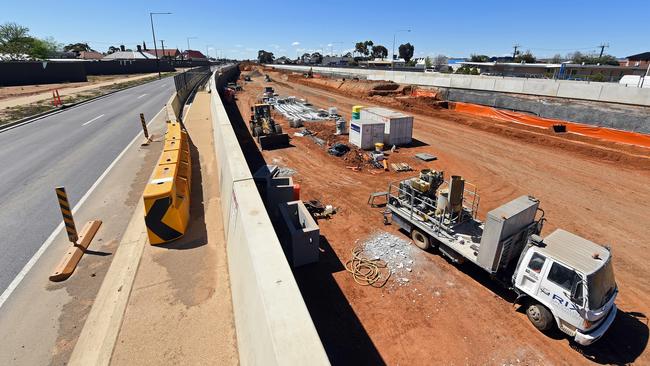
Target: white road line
<point>32,261</point>
<point>93,120</point>
<point>141,96</point>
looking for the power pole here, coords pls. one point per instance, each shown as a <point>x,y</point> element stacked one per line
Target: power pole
<point>602,49</point>
<point>514,53</point>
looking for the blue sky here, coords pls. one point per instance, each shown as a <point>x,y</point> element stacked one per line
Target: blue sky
<point>240,28</point>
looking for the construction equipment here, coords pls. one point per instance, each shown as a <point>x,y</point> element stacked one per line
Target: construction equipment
<point>309,74</point>
<point>562,280</point>
<point>264,129</point>
<point>267,78</point>
<point>234,86</point>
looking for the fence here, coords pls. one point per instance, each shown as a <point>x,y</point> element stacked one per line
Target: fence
<point>14,73</point>
<point>185,82</point>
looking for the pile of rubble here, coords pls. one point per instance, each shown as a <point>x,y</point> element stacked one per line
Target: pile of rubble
<point>396,252</point>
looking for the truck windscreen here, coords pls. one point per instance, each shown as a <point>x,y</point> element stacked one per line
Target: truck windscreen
<point>601,285</point>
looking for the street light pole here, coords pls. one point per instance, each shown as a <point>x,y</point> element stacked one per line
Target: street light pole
<point>392,55</point>
<point>188,48</point>
<point>155,46</point>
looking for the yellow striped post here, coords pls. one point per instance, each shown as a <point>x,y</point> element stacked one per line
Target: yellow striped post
<point>67,214</point>
<point>144,126</point>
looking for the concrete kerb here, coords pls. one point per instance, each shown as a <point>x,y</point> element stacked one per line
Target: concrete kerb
<point>99,334</point>
<point>272,322</point>
<point>66,107</point>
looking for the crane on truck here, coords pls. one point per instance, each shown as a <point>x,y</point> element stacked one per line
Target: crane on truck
<point>562,280</point>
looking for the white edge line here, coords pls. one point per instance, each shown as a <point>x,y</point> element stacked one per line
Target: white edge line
<point>93,120</point>
<point>50,239</point>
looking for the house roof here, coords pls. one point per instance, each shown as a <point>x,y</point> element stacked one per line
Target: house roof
<point>128,55</point>
<point>645,56</point>
<point>91,55</point>
<point>167,53</point>
<point>194,54</point>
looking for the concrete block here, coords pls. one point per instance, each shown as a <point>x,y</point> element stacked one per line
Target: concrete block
<point>301,235</point>
<point>509,85</point>
<point>621,94</point>
<point>541,87</point>
<point>482,83</point>
<point>579,90</point>
<point>272,321</point>
<point>461,82</point>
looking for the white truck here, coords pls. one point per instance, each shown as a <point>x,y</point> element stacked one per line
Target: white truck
<point>562,280</point>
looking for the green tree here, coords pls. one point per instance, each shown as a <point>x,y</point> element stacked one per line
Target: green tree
<point>526,57</point>
<point>598,77</point>
<point>15,41</point>
<point>112,49</point>
<point>592,59</point>
<point>478,58</point>
<point>406,51</point>
<point>379,51</point>
<point>43,48</point>
<point>465,69</point>
<point>363,48</point>
<point>427,62</point>
<point>77,48</point>
<point>264,57</point>
<point>318,57</point>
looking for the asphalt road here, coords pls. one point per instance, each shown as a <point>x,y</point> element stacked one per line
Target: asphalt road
<point>71,148</point>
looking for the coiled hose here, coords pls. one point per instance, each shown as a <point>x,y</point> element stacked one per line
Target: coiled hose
<point>367,272</point>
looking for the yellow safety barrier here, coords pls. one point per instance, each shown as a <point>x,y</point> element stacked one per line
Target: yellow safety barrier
<point>167,195</point>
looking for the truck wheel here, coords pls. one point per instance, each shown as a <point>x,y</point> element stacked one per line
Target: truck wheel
<point>540,316</point>
<point>421,240</point>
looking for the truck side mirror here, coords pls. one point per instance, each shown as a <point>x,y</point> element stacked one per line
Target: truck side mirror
<point>252,109</point>
<point>577,292</point>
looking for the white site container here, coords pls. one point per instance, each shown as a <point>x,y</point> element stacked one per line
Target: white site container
<point>398,127</point>
<point>365,134</point>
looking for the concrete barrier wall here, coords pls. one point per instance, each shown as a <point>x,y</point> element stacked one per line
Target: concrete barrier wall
<point>272,322</point>
<point>594,91</point>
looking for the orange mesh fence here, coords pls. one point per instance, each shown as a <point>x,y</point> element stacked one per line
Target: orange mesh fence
<point>625,137</point>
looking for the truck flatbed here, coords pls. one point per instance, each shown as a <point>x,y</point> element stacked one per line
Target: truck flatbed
<point>464,238</point>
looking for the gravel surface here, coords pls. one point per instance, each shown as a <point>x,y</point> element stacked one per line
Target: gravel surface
<point>395,251</point>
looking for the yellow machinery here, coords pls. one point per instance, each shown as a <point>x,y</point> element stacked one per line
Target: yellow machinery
<point>264,129</point>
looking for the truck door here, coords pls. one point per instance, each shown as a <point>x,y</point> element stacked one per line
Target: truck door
<point>555,289</point>
<point>529,278</point>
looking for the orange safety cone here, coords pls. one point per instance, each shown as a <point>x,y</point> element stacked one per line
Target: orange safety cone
<point>58,97</point>
<point>53,98</point>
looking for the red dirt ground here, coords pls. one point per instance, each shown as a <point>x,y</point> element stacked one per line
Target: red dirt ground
<point>454,314</point>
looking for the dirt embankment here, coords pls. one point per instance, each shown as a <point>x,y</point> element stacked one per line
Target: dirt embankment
<point>451,314</point>
<point>621,154</point>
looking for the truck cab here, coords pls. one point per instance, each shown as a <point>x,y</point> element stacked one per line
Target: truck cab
<point>567,281</point>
